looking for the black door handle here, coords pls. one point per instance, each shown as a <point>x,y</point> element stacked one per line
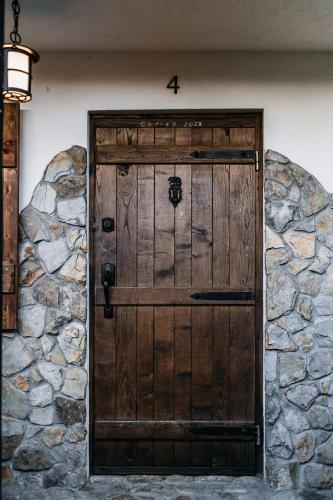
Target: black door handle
<point>108,279</point>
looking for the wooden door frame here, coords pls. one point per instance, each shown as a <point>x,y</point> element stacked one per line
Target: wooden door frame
<point>232,117</point>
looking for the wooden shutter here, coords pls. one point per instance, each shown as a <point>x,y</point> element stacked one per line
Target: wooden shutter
<point>10,176</point>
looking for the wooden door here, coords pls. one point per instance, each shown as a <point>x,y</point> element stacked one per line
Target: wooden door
<point>176,369</point>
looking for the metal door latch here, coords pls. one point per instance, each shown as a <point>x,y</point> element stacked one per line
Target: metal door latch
<point>108,279</point>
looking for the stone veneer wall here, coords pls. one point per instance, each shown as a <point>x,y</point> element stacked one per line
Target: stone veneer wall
<point>44,378</point>
<point>299,328</point>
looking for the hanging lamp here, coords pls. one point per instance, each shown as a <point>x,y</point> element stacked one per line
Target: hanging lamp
<point>18,60</point>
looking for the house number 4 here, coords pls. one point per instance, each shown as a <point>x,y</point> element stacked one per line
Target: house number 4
<point>173,84</point>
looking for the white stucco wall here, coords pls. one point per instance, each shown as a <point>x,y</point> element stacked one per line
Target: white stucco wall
<point>295,91</point>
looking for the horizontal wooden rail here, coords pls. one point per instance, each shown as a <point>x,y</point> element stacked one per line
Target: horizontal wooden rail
<point>171,154</point>
<point>175,296</point>
<point>176,430</point>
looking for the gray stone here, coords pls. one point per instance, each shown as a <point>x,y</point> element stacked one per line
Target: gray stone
<point>324,227</point>
<point>319,364</point>
<point>12,427</point>
<point>25,297</point>
<point>303,395</point>
<point>75,383</point>
<point>51,373</point>
<point>279,442</point>
<point>53,436</point>
<point>72,211</point>
<point>319,476</point>
<point>304,446</point>
<point>32,430</point>
<point>294,193</point>
<point>16,357</point>
<point>34,225</point>
<point>72,185</point>
<point>69,412</point>
<point>309,282</point>
<point>41,395</point>
<point>319,417</point>
<point>54,319</point>
<point>281,294</point>
<point>281,475</point>
<point>25,251</point>
<point>298,172</point>
<point>14,402</point>
<point>42,416</point>
<point>326,386</point>
<point>35,346</point>
<point>43,198</point>
<point>46,292</point>
<point>304,307</point>
<point>274,190</point>
<point>302,244</point>
<point>279,214</point>
<point>292,368</point>
<point>273,410</point>
<point>322,260</point>
<point>277,173</point>
<point>47,344</point>
<point>72,342</point>
<point>74,300</point>
<point>9,445</point>
<point>56,356</point>
<point>77,433</point>
<point>31,320</point>
<point>29,272</point>
<point>277,338</point>
<point>295,420</point>
<point>307,225</point>
<point>78,155</point>
<point>21,382</point>
<point>304,339</point>
<point>270,366</point>
<point>274,156</point>
<point>324,453</point>
<point>327,286</point>
<point>74,269</point>
<point>314,197</point>
<point>272,239</point>
<point>60,166</point>
<point>75,454</point>
<point>53,253</point>
<point>324,305</point>
<point>55,477</point>
<point>295,265</point>
<point>292,323</point>
<point>32,457</point>
<point>275,257</point>
<point>322,436</point>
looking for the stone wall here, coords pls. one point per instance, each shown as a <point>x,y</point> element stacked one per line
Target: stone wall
<point>299,328</point>
<point>44,378</point>
<point>44,374</point>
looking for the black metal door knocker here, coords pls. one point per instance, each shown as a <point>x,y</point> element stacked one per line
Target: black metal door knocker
<point>175,190</point>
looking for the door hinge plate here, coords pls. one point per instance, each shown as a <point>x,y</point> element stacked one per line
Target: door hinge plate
<point>257,161</point>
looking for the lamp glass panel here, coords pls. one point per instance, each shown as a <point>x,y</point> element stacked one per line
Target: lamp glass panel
<point>18,80</point>
<point>17,60</point>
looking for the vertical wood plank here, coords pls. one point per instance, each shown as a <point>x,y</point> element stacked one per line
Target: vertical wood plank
<point>242,374</point>
<point>127,136</point>
<point>105,366</point>
<point>242,136</point>
<point>221,363</point>
<point>221,229</point>
<point>221,136</point>
<point>242,226</point>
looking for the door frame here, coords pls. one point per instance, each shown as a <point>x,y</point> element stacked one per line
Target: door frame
<point>232,116</point>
